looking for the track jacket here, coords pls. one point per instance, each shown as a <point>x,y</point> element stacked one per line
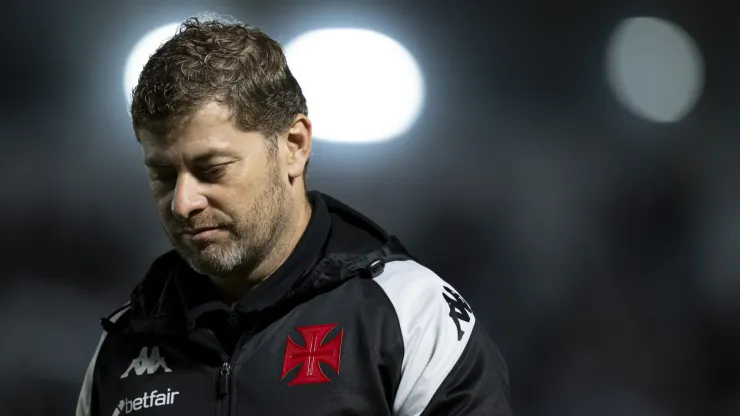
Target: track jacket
<point>350,324</point>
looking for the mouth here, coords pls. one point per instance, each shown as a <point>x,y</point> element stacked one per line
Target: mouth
<point>196,231</point>
<point>203,233</point>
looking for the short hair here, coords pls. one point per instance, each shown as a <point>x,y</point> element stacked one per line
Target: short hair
<point>211,59</point>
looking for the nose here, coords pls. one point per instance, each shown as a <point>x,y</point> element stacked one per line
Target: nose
<point>187,199</point>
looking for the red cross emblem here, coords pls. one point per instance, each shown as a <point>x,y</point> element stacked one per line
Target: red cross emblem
<point>313,352</point>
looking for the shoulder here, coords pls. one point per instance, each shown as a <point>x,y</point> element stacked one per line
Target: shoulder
<point>422,298</point>
<point>437,326</point>
<point>407,274</point>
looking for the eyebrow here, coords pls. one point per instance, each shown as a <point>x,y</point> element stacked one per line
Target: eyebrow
<point>223,153</point>
<point>155,162</point>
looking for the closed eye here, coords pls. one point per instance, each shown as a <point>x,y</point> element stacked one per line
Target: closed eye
<point>216,171</point>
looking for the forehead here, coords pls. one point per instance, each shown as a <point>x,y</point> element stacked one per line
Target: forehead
<point>208,131</point>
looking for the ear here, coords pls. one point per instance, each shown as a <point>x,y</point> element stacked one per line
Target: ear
<point>298,146</point>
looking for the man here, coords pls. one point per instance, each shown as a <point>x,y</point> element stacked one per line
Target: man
<point>275,300</point>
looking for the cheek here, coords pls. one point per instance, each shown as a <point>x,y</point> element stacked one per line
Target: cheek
<point>163,207</point>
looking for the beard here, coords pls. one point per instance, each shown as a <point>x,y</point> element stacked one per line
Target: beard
<point>251,233</point>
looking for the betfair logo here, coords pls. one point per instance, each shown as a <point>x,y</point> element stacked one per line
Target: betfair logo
<point>149,400</point>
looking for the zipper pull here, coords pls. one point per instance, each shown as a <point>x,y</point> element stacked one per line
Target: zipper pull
<point>223,383</point>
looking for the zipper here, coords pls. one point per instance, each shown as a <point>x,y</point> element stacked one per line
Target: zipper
<point>223,387</point>
<point>224,380</point>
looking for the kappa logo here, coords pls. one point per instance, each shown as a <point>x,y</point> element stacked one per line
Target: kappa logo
<point>149,400</point>
<point>146,363</point>
<point>459,310</point>
<point>313,352</point>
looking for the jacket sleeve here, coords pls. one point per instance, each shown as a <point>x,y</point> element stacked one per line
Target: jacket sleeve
<point>84,401</point>
<point>450,367</point>
<point>85,398</point>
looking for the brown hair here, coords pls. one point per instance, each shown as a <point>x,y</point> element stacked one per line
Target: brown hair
<point>212,59</point>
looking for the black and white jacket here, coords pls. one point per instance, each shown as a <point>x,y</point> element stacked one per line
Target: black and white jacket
<point>350,324</point>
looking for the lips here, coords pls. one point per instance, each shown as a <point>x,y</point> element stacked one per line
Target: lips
<point>195,231</point>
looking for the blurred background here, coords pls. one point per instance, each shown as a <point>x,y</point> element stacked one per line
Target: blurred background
<point>571,167</point>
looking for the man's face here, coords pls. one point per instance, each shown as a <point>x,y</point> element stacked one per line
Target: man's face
<point>220,191</point>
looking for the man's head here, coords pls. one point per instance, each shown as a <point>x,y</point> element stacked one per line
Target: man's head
<point>222,123</point>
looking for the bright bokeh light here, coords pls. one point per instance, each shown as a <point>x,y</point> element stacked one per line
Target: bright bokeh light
<point>141,52</point>
<point>361,86</point>
<point>655,69</point>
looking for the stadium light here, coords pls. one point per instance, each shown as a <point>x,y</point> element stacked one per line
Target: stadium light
<point>140,54</point>
<point>655,69</point>
<point>361,86</point>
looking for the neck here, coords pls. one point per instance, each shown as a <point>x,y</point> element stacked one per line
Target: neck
<point>235,287</point>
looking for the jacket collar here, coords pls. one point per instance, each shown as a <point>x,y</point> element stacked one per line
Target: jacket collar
<point>172,296</point>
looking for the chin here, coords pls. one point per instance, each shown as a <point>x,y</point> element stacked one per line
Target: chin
<point>207,266</point>
<point>214,259</point>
